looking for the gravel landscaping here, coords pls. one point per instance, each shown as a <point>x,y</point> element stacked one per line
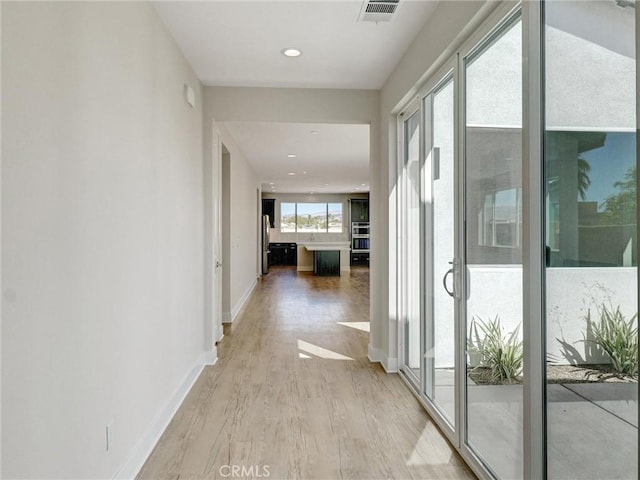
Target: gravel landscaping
<point>560,374</point>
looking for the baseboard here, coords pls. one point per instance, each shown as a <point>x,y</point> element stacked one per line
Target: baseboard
<point>236,310</point>
<point>374,355</point>
<point>210,357</point>
<point>345,269</point>
<point>390,365</point>
<point>226,317</point>
<point>147,443</point>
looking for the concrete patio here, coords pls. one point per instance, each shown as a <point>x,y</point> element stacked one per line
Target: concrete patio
<point>592,429</point>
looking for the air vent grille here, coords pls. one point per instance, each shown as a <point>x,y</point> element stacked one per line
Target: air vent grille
<point>378,10</point>
<point>379,7</point>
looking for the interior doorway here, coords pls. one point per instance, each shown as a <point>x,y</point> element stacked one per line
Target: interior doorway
<point>259,233</point>
<point>226,234</point>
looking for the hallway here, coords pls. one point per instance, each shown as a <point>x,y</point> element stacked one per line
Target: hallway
<point>293,395</point>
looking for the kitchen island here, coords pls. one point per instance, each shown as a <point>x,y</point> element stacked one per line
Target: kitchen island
<point>329,258</point>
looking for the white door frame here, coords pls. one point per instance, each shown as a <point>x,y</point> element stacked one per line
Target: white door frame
<point>216,247</point>
<point>212,249</point>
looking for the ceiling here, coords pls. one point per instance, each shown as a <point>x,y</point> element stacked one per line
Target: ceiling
<point>239,43</point>
<point>333,160</point>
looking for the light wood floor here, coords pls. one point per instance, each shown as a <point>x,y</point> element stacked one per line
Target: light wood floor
<point>293,395</point>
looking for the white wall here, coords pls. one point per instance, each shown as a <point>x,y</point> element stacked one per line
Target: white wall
<point>242,226</point>
<point>567,325</point>
<point>102,245</point>
<point>572,47</point>
<point>494,86</point>
<point>497,291</point>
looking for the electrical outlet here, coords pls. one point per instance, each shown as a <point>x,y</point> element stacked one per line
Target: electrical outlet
<point>109,437</point>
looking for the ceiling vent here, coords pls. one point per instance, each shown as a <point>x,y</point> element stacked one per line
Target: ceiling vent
<point>378,10</point>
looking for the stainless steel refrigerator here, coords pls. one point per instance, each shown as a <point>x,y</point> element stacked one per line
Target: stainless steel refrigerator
<point>265,244</point>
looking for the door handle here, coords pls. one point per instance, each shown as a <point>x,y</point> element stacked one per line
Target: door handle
<point>436,163</point>
<point>444,283</point>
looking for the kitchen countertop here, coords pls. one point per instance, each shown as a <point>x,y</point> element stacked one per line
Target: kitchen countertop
<point>325,246</point>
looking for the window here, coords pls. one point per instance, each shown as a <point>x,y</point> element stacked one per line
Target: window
<point>591,198</point>
<point>494,170</point>
<point>500,219</point>
<point>334,217</point>
<point>287,217</point>
<point>311,217</point>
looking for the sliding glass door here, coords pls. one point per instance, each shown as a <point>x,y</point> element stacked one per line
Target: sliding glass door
<point>410,248</point>
<point>493,250</point>
<point>441,264</point>
<point>461,215</point>
<point>518,240</point>
<point>428,212</point>
<point>591,240</point>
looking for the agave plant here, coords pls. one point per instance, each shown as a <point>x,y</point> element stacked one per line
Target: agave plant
<point>618,337</point>
<point>503,354</point>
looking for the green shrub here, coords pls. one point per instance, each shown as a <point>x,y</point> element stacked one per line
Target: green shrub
<point>619,339</point>
<point>503,354</point>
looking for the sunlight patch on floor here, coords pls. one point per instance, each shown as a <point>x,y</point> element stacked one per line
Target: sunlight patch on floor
<point>364,326</point>
<point>430,449</point>
<point>319,351</point>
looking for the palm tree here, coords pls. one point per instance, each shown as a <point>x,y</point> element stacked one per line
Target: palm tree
<point>584,182</point>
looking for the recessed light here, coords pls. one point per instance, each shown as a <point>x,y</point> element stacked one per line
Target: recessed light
<point>363,184</point>
<point>326,184</point>
<point>314,132</point>
<point>291,52</point>
<point>271,183</point>
<point>304,173</point>
<point>291,173</point>
<point>292,155</point>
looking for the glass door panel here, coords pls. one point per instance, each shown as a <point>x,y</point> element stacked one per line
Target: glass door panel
<point>493,251</point>
<point>410,247</point>
<point>440,252</point>
<point>591,240</point>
